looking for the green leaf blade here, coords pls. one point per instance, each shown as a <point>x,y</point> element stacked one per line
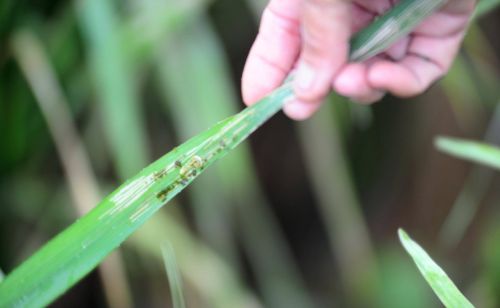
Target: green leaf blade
<point>440,283</point>
<point>473,151</point>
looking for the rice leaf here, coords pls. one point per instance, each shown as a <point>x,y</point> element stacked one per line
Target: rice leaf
<point>174,277</point>
<point>76,251</point>
<point>478,152</point>
<point>440,283</point>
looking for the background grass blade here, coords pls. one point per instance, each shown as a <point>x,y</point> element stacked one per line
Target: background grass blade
<point>174,277</point>
<point>468,202</point>
<point>153,22</point>
<point>115,88</point>
<point>78,172</point>
<point>77,250</point>
<point>469,150</point>
<point>442,285</point>
<point>339,205</point>
<point>201,267</point>
<point>471,87</point>
<point>486,6</point>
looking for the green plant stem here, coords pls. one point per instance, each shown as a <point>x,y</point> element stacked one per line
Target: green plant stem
<point>77,250</point>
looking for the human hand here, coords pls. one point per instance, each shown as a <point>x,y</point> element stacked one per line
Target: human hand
<point>313,37</point>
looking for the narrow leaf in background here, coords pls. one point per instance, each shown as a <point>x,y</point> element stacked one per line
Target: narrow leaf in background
<point>173,274</point>
<point>115,87</point>
<point>202,268</point>
<point>486,6</point>
<point>476,187</point>
<point>339,205</point>
<point>469,150</point>
<point>77,168</point>
<point>442,285</point>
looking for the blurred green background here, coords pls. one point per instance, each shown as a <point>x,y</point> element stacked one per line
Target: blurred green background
<point>303,215</point>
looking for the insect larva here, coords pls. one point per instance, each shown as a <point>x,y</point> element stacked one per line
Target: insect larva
<point>189,169</point>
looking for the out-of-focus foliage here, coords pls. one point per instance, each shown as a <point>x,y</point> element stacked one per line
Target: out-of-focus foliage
<point>474,151</point>
<point>123,67</point>
<point>174,277</point>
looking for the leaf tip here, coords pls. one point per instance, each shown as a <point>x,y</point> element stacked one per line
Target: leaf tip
<point>442,142</point>
<point>403,236</point>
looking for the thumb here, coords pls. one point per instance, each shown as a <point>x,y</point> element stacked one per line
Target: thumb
<point>325,35</point>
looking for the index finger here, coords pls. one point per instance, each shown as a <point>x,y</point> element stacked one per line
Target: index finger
<point>274,51</point>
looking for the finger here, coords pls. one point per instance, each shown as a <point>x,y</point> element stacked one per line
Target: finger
<point>352,82</point>
<point>377,7</point>
<point>325,34</point>
<point>442,24</point>
<point>463,7</point>
<point>300,110</point>
<point>398,50</point>
<point>361,17</point>
<point>427,60</point>
<point>440,51</point>
<point>274,51</point>
<point>451,19</point>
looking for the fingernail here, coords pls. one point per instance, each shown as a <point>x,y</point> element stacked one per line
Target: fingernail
<point>304,78</point>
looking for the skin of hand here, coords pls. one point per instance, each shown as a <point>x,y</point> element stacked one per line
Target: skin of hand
<point>312,37</point>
